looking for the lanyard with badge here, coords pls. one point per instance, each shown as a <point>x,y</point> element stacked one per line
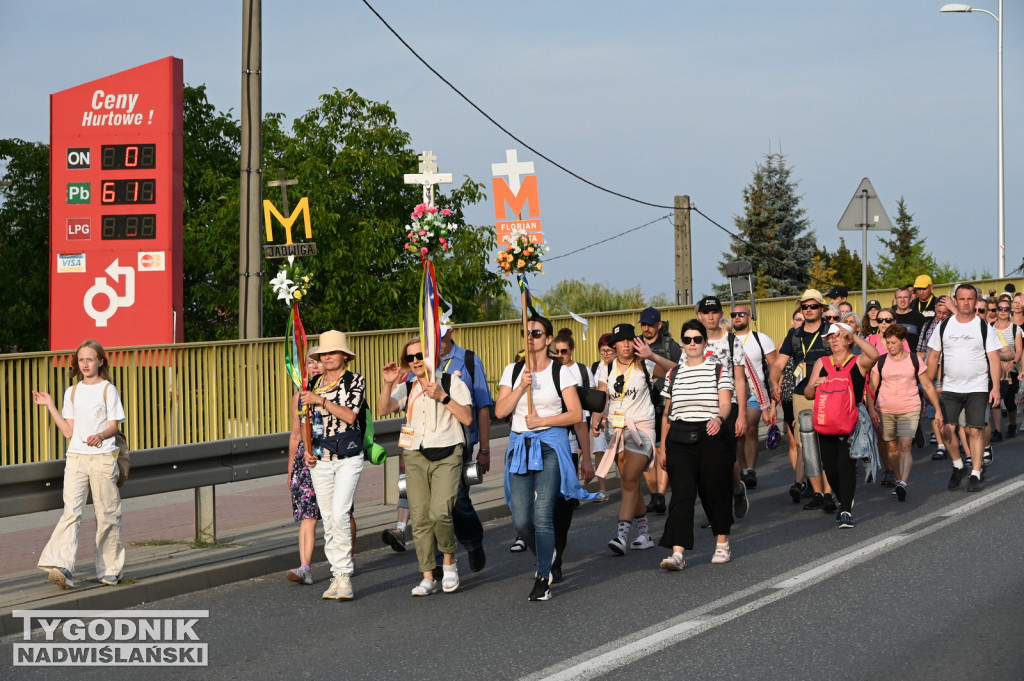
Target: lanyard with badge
<point>405,437</point>
<point>619,415</point>
<point>801,369</point>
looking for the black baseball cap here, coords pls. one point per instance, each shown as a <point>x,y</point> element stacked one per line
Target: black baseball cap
<point>873,304</point>
<point>622,332</point>
<point>838,292</point>
<point>709,304</point>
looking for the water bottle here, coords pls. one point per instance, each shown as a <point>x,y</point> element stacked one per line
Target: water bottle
<point>318,433</point>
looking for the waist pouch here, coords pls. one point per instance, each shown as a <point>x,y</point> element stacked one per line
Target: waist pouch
<point>345,444</point>
<point>687,432</point>
<point>437,453</point>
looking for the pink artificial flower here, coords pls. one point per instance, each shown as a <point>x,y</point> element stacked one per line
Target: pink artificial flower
<point>424,250</point>
<point>445,212</point>
<point>432,209</point>
<point>422,232</point>
<point>417,215</point>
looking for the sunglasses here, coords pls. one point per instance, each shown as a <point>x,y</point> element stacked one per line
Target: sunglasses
<point>991,309</point>
<point>692,340</point>
<point>885,320</point>
<point>979,310</point>
<point>409,359</point>
<point>620,383</point>
<point>563,351</point>
<point>1003,309</point>
<point>831,318</point>
<point>737,314</point>
<point>534,333</point>
<point>811,306</point>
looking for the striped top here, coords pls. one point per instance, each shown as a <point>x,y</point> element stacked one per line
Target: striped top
<point>693,392</point>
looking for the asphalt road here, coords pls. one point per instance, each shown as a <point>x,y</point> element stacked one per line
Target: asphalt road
<point>929,589</point>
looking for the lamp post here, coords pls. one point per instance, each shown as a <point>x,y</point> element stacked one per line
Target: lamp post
<point>999,22</point>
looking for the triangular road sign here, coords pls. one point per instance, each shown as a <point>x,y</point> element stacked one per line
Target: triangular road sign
<point>854,217</point>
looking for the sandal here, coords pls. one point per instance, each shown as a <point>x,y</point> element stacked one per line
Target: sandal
<point>518,546</point>
<point>425,588</point>
<point>723,554</point>
<point>673,563</point>
<point>450,578</point>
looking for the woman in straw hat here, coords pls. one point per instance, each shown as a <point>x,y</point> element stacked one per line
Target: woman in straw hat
<point>337,458</point>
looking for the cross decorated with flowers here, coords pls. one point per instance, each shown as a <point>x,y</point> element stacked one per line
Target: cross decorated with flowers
<point>428,176</point>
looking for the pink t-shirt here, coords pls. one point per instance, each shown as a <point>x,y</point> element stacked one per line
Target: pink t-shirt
<point>898,391</point>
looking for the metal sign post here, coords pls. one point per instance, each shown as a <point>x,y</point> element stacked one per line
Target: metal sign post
<point>864,213</point>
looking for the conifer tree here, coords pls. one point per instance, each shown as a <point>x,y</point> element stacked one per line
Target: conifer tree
<point>775,228</point>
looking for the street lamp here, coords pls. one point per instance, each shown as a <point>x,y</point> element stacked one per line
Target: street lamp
<point>1002,223</point>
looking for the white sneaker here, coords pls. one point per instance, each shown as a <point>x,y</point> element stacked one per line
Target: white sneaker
<point>618,545</point>
<point>450,580</point>
<point>426,588</point>
<point>601,496</point>
<point>332,591</point>
<point>642,542</point>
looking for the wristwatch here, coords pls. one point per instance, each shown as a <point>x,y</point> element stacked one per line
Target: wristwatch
<point>447,399</point>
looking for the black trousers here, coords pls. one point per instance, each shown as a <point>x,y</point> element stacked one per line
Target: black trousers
<point>705,469</point>
<point>840,469</point>
<point>563,520</point>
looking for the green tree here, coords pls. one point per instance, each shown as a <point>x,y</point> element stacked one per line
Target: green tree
<point>24,245</point>
<point>349,157</point>
<point>582,297</point>
<point>775,231</point>
<point>210,176</point>
<point>906,257</point>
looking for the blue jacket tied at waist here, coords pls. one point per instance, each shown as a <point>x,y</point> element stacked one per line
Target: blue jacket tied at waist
<point>525,456</point>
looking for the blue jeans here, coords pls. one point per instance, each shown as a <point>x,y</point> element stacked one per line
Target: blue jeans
<point>532,500</point>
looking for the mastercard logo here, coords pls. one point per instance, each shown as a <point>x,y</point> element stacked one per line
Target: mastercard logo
<point>151,262</point>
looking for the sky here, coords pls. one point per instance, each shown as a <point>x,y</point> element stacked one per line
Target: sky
<point>648,99</point>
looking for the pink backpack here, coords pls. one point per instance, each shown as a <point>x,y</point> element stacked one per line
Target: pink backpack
<point>835,404</point>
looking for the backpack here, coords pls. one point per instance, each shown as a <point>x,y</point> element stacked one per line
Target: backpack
<point>124,455</point>
<point>835,404</point>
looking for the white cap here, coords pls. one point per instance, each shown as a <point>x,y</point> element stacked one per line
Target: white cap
<point>834,329</point>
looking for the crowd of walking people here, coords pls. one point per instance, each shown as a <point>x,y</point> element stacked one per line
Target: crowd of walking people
<point>681,419</point>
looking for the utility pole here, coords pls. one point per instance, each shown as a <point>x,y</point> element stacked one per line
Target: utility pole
<point>684,259</point>
<point>250,298</point>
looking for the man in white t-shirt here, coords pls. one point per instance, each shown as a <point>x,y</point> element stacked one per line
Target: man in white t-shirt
<point>758,349</point>
<point>970,365</point>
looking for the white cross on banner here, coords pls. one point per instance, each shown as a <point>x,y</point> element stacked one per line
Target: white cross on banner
<point>517,195</point>
<point>428,176</point>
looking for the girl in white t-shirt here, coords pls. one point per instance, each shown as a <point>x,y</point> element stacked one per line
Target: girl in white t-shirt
<point>90,417</point>
<point>630,423</point>
<point>539,463</point>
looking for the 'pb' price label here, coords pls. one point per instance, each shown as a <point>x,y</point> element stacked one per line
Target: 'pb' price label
<point>78,192</point>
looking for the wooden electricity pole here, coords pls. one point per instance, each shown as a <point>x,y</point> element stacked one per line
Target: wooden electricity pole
<point>684,259</point>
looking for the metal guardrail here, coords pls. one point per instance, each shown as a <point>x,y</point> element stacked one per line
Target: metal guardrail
<point>34,487</point>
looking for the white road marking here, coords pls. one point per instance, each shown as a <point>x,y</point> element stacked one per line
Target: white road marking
<point>641,644</point>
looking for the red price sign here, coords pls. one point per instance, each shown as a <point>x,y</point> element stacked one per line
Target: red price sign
<point>115,209</point>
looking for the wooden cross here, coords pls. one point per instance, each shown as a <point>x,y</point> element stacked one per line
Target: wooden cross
<point>428,176</point>
<point>283,184</point>
<point>513,168</point>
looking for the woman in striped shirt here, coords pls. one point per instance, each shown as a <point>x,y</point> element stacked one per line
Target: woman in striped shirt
<point>698,398</point>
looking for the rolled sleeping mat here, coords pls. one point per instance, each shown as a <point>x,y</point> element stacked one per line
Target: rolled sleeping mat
<point>809,443</point>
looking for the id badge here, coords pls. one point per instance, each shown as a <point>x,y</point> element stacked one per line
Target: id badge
<point>618,419</point>
<point>798,372</point>
<point>405,437</point>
